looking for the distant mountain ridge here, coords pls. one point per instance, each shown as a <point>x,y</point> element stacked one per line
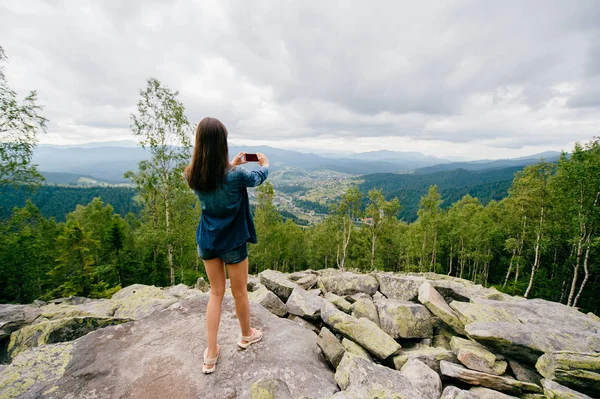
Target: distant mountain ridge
<point>109,163</point>
<point>549,156</point>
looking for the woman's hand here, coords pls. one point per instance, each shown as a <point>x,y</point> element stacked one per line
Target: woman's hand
<point>262,159</point>
<point>239,159</point>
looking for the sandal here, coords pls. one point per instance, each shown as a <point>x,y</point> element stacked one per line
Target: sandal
<point>255,337</point>
<point>210,362</point>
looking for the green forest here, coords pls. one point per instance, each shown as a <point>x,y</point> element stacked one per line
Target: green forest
<point>541,240</point>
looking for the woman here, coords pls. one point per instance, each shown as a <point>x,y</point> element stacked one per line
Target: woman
<point>225,228</point>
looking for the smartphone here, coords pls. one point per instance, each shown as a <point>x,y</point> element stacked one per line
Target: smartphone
<point>251,158</point>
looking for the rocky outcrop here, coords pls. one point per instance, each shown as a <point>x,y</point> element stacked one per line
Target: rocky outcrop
<point>387,335</point>
<point>160,356</point>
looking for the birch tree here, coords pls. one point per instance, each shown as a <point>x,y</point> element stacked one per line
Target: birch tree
<point>161,127</point>
<point>577,188</point>
<point>346,211</point>
<point>20,122</point>
<point>381,212</point>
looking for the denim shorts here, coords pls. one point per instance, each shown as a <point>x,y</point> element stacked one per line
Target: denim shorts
<point>231,257</point>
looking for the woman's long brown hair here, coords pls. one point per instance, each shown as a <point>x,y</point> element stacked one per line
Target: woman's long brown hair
<point>210,160</point>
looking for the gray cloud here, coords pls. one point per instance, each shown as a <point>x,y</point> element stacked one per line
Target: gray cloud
<point>501,74</point>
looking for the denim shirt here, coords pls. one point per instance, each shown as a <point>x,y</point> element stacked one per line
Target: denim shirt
<point>226,221</point>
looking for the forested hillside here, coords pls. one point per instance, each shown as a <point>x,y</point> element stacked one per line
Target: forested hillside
<point>453,185</point>
<point>539,241</point>
<point>58,201</point>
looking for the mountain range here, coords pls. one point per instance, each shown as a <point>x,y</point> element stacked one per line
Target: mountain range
<point>108,162</point>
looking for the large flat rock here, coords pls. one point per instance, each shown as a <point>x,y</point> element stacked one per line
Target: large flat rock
<point>160,356</point>
<point>347,283</point>
<point>527,342</point>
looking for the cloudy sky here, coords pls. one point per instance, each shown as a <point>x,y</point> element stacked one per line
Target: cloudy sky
<point>472,79</point>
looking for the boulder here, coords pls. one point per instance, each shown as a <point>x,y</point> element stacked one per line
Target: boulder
<point>303,304</point>
<point>364,307</point>
<point>430,356</point>
<point>360,376</point>
<point>362,331</point>
<point>527,341</point>
<point>160,356</point>
<point>476,357</point>
<point>331,347</point>
<point>498,383</point>
<point>347,283</point>
<point>427,381</point>
<point>451,392</point>
<point>307,282</point>
<point>54,331</point>
<point>277,283</point>
<point>182,291</point>
<point>339,302</point>
<point>554,390</point>
<point>268,300</point>
<point>96,308</point>
<point>485,393</point>
<point>270,388</point>
<point>436,304</point>
<point>138,301</point>
<point>579,371</point>
<point>13,317</point>
<point>201,285</point>
<point>355,349</point>
<point>402,319</point>
<point>395,286</point>
<point>534,311</point>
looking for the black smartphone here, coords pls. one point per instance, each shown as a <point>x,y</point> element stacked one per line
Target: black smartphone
<point>251,158</point>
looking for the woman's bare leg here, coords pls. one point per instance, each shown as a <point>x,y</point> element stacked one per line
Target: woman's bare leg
<point>238,276</point>
<point>216,277</point>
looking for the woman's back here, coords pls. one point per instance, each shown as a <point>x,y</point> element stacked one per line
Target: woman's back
<point>226,221</point>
